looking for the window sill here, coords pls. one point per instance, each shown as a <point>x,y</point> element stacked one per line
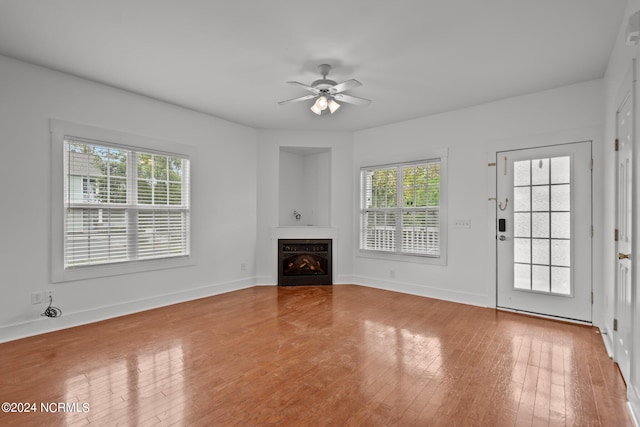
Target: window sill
<point>116,269</point>
<point>413,259</point>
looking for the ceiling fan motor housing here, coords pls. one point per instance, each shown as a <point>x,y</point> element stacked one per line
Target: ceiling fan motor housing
<point>323,84</point>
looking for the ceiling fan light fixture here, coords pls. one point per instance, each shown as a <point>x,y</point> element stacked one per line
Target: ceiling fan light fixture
<point>333,106</point>
<point>321,103</point>
<point>315,108</point>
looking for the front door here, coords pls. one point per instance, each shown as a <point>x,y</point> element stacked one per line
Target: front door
<point>544,230</point>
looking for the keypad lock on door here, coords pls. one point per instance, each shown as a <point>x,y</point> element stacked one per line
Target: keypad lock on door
<point>502,227</point>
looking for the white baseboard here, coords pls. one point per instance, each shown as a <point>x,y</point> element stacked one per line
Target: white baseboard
<point>633,400</point>
<point>43,325</point>
<point>344,280</point>
<point>265,281</point>
<point>607,340</point>
<point>635,412</point>
<point>545,316</point>
<point>339,280</point>
<point>424,291</point>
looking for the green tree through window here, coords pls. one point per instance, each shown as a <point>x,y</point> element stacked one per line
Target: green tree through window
<point>123,204</point>
<point>400,210</point>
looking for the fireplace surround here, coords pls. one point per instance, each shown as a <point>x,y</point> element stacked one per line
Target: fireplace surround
<point>304,262</point>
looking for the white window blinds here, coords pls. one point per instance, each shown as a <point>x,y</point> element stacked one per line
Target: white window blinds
<point>400,208</point>
<point>122,204</point>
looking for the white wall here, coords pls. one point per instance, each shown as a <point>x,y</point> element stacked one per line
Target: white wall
<point>341,195</point>
<point>291,185</point>
<point>471,135</point>
<point>317,188</point>
<point>223,209</point>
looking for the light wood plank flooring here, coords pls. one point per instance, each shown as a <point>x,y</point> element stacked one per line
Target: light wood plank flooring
<point>316,356</point>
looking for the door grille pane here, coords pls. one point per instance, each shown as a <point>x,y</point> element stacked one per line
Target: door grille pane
<point>522,173</point>
<point>522,250</point>
<point>540,198</point>
<point>521,224</point>
<point>522,199</point>
<point>540,251</point>
<point>522,276</point>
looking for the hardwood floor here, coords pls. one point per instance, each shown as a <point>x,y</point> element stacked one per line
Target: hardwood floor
<point>316,356</point>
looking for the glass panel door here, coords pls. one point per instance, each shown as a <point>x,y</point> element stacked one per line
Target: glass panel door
<point>544,234</point>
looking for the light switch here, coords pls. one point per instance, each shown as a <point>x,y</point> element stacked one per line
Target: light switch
<point>462,223</point>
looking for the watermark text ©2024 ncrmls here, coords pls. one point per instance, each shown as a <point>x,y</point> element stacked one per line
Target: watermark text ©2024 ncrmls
<point>47,407</point>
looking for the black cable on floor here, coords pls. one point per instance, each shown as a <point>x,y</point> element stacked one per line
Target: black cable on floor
<point>52,311</point>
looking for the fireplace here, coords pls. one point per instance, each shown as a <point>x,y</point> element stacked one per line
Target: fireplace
<point>304,262</point>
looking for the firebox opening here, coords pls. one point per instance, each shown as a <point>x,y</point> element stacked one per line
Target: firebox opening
<point>304,262</point>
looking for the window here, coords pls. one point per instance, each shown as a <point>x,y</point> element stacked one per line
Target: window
<point>401,209</point>
<point>117,205</point>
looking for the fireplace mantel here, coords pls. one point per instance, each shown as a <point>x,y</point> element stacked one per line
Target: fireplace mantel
<point>304,232</point>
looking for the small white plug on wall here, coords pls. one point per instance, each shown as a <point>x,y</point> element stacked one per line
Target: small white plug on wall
<point>633,29</point>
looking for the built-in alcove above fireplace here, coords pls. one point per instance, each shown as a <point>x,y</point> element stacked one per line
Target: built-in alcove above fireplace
<point>304,186</point>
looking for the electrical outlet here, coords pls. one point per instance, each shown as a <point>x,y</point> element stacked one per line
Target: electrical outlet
<point>48,296</point>
<point>392,273</point>
<point>243,266</point>
<point>36,297</point>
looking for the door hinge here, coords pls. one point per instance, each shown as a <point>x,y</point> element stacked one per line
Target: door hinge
<point>615,324</point>
<point>591,164</point>
<point>491,164</point>
<point>592,231</point>
<point>617,144</point>
<point>591,297</point>
<point>615,235</point>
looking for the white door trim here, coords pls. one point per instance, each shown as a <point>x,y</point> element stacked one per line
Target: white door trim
<point>625,97</point>
<point>629,87</point>
<point>593,134</point>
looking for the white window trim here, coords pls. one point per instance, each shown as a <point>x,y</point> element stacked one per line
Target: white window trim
<point>59,130</point>
<point>411,258</point>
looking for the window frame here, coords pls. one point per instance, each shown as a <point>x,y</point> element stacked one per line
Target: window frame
<point>60,131</point>
<point>398,255</point>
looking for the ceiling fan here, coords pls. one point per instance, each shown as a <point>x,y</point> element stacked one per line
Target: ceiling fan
<point>328,92</point>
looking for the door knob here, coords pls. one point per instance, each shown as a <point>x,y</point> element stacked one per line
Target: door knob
<point>624,256</point>
<point>502,238</point>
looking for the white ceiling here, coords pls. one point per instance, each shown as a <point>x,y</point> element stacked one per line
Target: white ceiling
<point>231,58</point>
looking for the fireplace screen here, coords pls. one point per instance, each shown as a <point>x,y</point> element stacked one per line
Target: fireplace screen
<point>304,262</point>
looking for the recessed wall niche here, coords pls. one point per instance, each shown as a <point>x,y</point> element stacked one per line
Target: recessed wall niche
<point>305,186</point>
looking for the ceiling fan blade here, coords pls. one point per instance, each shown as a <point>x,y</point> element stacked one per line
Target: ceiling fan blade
<point>306,87</point>
<point>352,99</point>
<point>341,87</point>
<point>302,98</point>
